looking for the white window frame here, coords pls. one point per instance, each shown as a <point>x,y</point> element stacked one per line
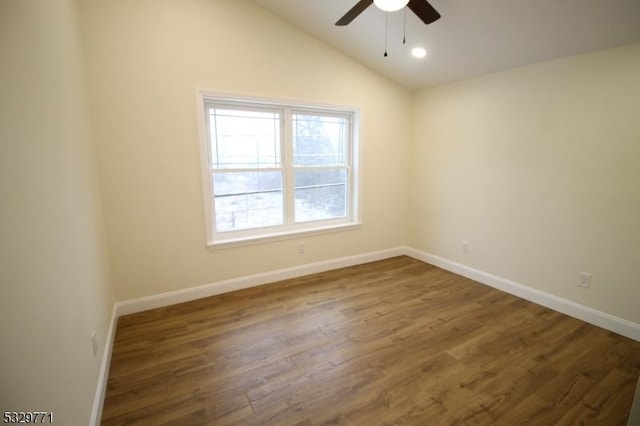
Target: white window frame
<point>290,229</point>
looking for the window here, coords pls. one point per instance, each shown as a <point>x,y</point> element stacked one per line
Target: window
<point>274,170</point>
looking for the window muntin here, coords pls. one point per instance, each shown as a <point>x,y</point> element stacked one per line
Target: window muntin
<point>320,161</point>
<point>244,138</point>
<point>276,169</point>
<point>320,140</point>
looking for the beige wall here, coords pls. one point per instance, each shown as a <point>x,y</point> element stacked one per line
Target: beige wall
<point>538,169</point>
<point>145,60</point>
<point>54,281</point>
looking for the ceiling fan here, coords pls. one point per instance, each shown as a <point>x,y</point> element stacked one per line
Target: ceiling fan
<point>421,8</point>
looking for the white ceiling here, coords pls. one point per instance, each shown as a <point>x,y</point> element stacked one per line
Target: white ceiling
<point>473,37</point>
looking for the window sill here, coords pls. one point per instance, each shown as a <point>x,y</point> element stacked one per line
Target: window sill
<point>267,238</point>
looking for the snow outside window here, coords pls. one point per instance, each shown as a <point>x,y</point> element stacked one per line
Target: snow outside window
<point>275,170</point>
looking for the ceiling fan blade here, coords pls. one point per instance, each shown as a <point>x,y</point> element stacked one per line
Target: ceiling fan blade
<point>354,12</point>
<point>424,11</point>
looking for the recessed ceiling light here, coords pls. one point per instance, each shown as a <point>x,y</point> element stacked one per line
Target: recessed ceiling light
<point>418,52</point>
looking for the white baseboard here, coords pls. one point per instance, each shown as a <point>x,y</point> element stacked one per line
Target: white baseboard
<point>98,401</point>
<point>179,296</point>
<point>193,293</point>
<point>584,313</point>
<point>581,312</point>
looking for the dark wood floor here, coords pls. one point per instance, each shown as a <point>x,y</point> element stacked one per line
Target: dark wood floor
<point>390,342</point>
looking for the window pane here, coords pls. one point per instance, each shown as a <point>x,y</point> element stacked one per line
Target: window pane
<point>247,200</point>
<point>320,140</point>
<point>320,194</point>
<point>243,139</point>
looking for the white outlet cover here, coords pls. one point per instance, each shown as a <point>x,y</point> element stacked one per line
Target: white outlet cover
<point>584,279</point>
<point>94,343</point>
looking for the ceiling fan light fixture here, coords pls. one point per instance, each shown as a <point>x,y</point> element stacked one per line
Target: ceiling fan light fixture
<point>390,5</point>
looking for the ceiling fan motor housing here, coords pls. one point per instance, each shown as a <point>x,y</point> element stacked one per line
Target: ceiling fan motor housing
<point>421,8</point>
<point>390,5</point>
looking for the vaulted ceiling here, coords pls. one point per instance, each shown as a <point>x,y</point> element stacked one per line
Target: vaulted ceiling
<point>473,37</point>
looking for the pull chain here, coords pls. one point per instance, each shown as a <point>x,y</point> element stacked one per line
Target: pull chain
<point>386,30</point>
<point>404,34</point>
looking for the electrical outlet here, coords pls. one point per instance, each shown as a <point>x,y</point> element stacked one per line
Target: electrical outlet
<point>301,247</point>
<point>584,279</point>
<point>464,247</point>
<point>94,344</point>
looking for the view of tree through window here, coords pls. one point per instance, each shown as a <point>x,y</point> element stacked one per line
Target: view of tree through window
<point>247,180</point>
<point>320,159</point>
<point>274,166</point>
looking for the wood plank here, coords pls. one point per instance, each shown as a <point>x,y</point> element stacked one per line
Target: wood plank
<point>390,342</point>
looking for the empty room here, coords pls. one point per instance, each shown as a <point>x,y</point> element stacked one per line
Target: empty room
<point>299,212</point>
